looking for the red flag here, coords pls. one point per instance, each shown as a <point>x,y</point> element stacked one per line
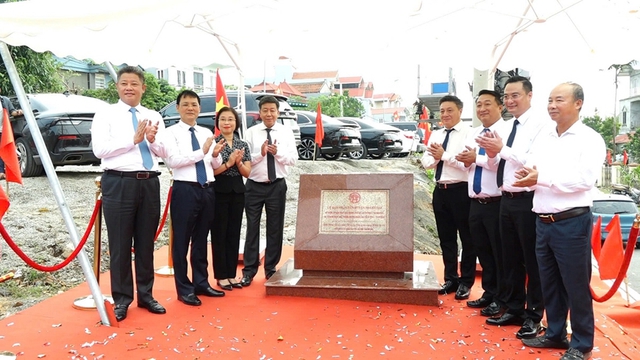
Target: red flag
<point>319,126</point>
<point>427,131</point>
<point>612,252</point>
<point>221,98</point>
<point>396,116</point>
<point>8,151</point>
<point>425,113</point>
<point>625,158</point>
<point>596,238</point>
<point>609,157</point>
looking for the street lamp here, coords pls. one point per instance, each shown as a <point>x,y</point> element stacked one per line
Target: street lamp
<point>620,70</point>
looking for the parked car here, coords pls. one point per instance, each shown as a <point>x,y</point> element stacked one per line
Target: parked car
<point>378,140</point>
<point>411,137</point>
<point>207,117</point>
<point>607,205</point>
<point>338,138</point>
<point>65,124</point>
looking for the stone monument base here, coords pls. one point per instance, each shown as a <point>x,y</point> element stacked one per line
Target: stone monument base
<point>419,287</point>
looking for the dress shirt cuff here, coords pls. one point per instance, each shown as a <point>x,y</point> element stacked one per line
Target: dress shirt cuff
<point>506,153</point>
<point>544,178</point>
<point>428,161</point>
<point>216,162</point>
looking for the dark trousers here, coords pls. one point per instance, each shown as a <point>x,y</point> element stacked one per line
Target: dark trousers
<point>192,211</point>
<point>272,198</point>
<point>564,257</point>
<point>451,209</point>
<point>522,278</point>
<point>484,223</point>
<point>225,234</point>
<point>131,210</point>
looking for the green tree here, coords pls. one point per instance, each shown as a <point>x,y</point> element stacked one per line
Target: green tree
<point>633,146</point>
<point>603,127</point>
<point>331,105</point>
<point>158,94</point>
<point>38,72</point>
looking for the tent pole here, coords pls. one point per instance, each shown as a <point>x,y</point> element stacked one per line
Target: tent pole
<point>53,180</point>
<point>112,71</point>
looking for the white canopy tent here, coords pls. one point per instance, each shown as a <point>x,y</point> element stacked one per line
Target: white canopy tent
<point>162,33</point>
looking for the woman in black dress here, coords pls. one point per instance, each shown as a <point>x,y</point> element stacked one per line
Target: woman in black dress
<point>229,187</point>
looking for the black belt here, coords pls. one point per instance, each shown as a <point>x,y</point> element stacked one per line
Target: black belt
<point>451,186</point>
<point>487,200</point>
<point>512,195</point>
<point>195,184</point>
<point>140,175</point>
<point>268,182</point>
<point>563,215</point>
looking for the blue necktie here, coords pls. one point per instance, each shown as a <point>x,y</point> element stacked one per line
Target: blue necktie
<point>444,146</point>
<point>477,177</point>
<point>500,173</point>
<point>147,161</point>
<point>201,173</point>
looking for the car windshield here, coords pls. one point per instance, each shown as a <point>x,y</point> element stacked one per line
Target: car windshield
<point>614,207</point>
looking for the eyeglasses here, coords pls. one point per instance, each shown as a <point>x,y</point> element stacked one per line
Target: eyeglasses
<point>514,96</point>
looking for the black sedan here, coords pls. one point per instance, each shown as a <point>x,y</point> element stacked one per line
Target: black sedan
<point>378,140</point>
<point>339,138</point>
<point>65,124</point>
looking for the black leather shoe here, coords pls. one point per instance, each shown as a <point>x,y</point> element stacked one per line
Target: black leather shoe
<point>153,306</point>
<point>505,319</point>
<point>544,343</point>
<point>448,287</point>
<point>463,292</point>
<point>492,309</point>
<point>210,292</point>
<point>226,287</point>
<point>269,274</point>
<point>529,330</point>
<point>246,281</point>
<point>121,312</point>
<point>575,354</point>
<point>190,299</point>
<point>235,285</point>
<point>479,303</point>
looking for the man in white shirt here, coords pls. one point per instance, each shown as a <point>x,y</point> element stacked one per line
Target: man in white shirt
<point>565,166</point>
<point>192,155</point>
<point>484,213</point>
<point>450,199</point>
<point>523,295</point>
<point>124,138</point>
<point>273,151</point>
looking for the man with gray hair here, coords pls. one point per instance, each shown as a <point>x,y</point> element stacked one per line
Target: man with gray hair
<point>562,201</point>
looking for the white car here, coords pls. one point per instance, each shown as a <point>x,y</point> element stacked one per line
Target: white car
<point>410,137</point>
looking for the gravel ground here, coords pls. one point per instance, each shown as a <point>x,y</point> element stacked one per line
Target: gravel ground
<point>35,223</point>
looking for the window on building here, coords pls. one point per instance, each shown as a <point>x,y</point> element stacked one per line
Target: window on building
<point>198,80</point>
<point>160,74</point>
<point>181,78</point>
<point>100,81</point>
<point>624,117</point>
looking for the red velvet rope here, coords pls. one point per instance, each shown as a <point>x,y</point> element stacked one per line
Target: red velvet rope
<point>66,261</point>
<point>622,273</point>
<point>164,215</point>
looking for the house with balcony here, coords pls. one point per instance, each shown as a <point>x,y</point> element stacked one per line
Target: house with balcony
<point>388,108</point>
<point>314,83</point>
<point>82,74</point>
<point>629,108</point>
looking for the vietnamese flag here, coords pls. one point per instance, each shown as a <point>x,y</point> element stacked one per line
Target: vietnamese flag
<point>319,126</point>
<point>221,98</point>
<point>612,253</point>
<point>609,157</point>
<point>625,158</point>
<point>8,151</point>
<point>427,131</point>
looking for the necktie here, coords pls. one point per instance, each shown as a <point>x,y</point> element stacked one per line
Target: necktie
<point>201,174</point>
<point>477,176</point>
<point>444,146</point>
<point>500,174</point>
<point>147,161</point>
<point>271,161</point>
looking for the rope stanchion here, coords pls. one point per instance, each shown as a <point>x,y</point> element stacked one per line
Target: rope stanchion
<point>167,270</point>
<point>88,302</point>
<point>622,273</point>
<point>66,261</point>
<point>164,214</point>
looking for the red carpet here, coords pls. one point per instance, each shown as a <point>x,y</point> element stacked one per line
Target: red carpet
<point>246,324</point>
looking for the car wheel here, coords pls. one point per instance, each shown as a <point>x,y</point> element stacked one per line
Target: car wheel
<point>379,156</point>
<point>28,166</point>
<point>306,149</point>
<point>359,154</point>
<point>331,156</point>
